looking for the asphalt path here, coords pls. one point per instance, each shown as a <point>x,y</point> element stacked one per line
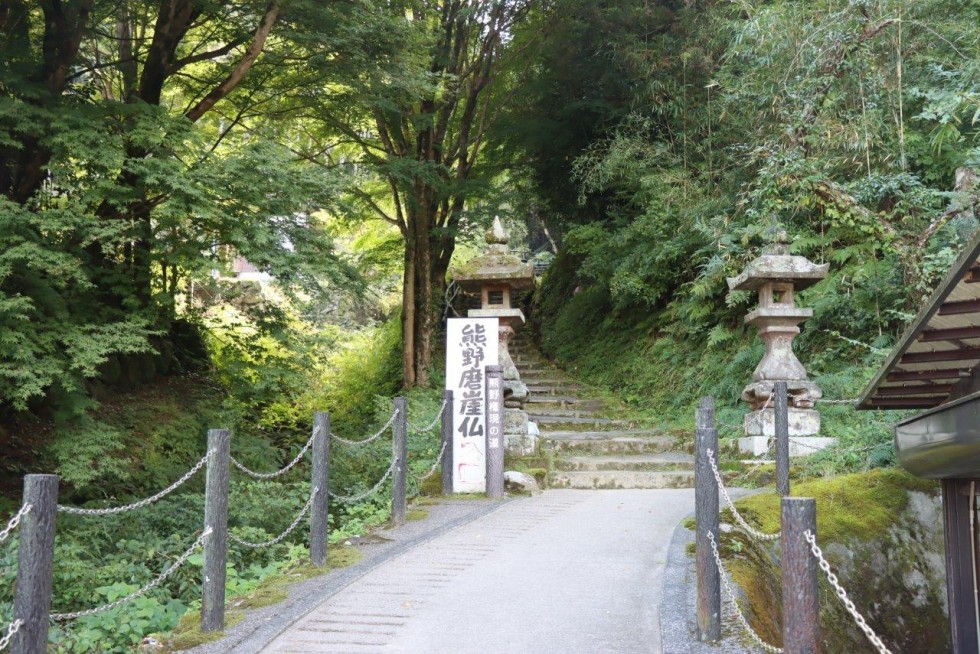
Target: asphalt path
<point>566,571</point>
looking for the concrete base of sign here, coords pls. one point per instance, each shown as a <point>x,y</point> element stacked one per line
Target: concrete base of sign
<point>802,422</point>
<point>798,445</point>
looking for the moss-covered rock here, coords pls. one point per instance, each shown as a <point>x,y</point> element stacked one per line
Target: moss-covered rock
<point>882,533</point>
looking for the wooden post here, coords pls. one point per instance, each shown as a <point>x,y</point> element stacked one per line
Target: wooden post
<point>706,518</point>
<point>495,431</point>
<point>32,601</point>
<point>216,517</point>
<point>801,608</point>
<point>447,441</point>
<point>321,480</point>
<point>782,439</point>
<point>399,450</point>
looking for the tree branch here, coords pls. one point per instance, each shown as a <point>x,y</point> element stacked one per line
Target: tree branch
<point>236,75</point>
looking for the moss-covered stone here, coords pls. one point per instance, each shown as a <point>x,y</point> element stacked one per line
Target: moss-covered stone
<point>882,533</point>
<point>860,506</point>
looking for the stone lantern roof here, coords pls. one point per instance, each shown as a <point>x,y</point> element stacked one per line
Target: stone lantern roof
<point>496,266</point>
<point>776,264</point>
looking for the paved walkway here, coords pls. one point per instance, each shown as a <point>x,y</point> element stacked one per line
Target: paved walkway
<point>564,572</point>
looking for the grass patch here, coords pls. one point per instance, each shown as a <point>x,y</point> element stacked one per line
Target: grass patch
<point>271,590</point>
<point>860,505</point>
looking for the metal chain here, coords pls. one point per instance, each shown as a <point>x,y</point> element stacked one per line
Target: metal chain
<point>149,500</point>
<point>734,601</point>
<point>12,629</point>
<point>357,498</point>
<point>751,531</point>
<point>62,617</point>
<point>278,539</point>
<point>284,470</point>
<point>24,510</point>
<point>418,430</point>
<point>435,465</point>
<point>371,438</point>
<point>842,594</point>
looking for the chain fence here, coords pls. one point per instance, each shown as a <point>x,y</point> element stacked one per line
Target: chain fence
<point>181,560</point>
<point>12,629</point>
<point>745,526</point>
<point>350,499</point>
<point>14,521</point>
<point>734,600</point>
<point>369,439</point>
<point>418,430</point>
<point>435,465</point>
<point>278,539</point>
<point>842,594</point>
<point>145,502</point>
<point>278,473</point>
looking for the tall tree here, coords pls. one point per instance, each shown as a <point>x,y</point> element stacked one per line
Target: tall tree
<point>419,121</point>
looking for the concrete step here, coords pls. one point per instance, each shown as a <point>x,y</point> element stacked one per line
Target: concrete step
<point>611,442</point>
<point>608,479</point>
<point>665,461</point>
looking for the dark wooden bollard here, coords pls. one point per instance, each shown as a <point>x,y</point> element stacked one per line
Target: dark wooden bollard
<point>399,450</point>
<point>782,438</point>
<point>801,608</point>
<point>495,431</point>
<point>706,515</point>
<point>32,602</point>
<point>447,443</point>
<point>321,480</point>
<point>216,544</point>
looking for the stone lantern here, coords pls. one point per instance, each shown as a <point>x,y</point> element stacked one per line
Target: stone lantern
<point>777,275</point>
<point>495,275</point>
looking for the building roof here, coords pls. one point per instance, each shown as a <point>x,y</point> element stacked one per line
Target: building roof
<point>939,348</point>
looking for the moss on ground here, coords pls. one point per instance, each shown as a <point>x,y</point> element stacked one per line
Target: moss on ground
<point>417,514</point>
<point>860,505</point>
<point>271,590</point>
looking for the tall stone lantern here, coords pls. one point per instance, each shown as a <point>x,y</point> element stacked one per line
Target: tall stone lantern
<point>777,275</point>
<point>494,276</point>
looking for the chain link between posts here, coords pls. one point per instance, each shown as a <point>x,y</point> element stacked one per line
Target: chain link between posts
<point>365,441</point>
<point>283,470</point>
<point>139,505</point>
<point>278,539</point>
<point>14,521</point>
<point>842,594</point>
<point>734,601</point>
<point>435,465</point>
<point>751,531</point>
<point>12,629</point>
<point>418,430</point>
<point>181,560</point>
<point>350,499</point>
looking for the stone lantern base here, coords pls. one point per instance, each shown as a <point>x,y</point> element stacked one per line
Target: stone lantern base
<point>804,425</point>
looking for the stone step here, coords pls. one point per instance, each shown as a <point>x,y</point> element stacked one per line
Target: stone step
<point>558,400</point>
<point>549,390</point>
<point>543,419</point>
<point>609,443</point>
<point>672,461</point>
<point>609,479</point>
<point>549,381</point>
<point>559,411</point>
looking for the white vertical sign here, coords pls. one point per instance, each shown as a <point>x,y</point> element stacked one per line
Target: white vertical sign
<point>471,346</point>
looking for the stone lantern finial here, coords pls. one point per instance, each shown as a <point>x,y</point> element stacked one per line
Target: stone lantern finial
<point>497,237</point>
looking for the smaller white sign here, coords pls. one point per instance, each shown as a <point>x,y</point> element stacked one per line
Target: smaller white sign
<point>471,346</point>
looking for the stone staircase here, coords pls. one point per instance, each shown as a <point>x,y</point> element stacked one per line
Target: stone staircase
<point>592,449</point>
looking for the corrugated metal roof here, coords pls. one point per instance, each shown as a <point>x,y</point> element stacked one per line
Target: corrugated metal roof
<point>940,347</point>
